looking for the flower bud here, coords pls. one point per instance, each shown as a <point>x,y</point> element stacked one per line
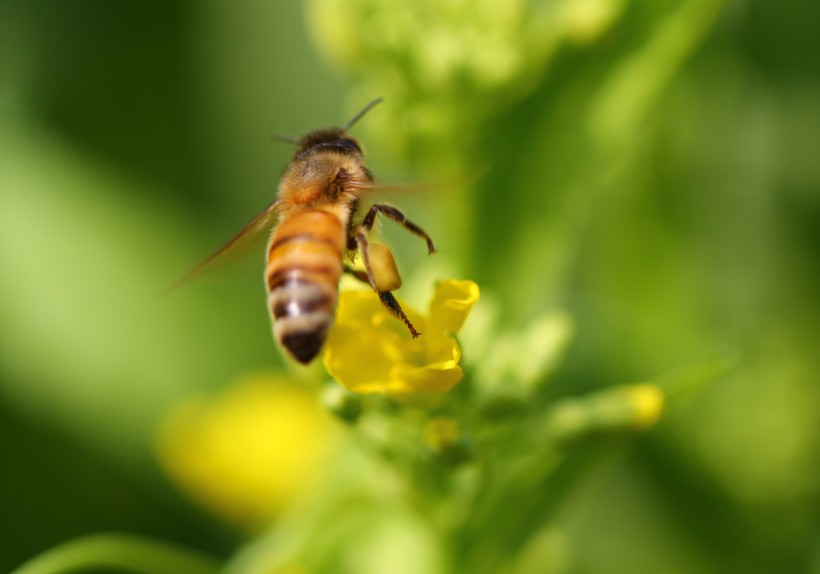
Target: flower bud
<point>445,440</point>
<point>626,408</point>
<point>503,402</point>
<point>342,403</point>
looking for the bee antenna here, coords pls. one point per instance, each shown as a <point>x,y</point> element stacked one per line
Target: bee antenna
<point>284,138</point>
<point>363,111</point>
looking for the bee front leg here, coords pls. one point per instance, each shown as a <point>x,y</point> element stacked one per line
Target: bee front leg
<point>394,214</point>
<point>381,274</point>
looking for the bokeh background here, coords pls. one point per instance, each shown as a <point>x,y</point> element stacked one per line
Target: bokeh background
<point>651,169</point>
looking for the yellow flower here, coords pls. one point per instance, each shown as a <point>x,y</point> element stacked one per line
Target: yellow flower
<point>248,452</point>
<point>369,351</point>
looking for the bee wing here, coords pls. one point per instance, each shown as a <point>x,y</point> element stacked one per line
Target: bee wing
<point>446,184</point>
<point>259,224</point>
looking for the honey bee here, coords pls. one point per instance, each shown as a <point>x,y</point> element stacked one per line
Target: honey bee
<point>319,228</point>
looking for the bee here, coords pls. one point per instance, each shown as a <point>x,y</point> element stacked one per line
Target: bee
<point>319,230</point>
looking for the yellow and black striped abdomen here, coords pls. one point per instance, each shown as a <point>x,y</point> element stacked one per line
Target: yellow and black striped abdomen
<point>302,276</point>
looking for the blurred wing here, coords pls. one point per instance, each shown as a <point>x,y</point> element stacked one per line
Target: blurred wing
<point>442,185</point>
<point>394,189</point>
<point>253,230</point>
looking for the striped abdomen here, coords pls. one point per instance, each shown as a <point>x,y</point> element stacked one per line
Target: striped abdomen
<point>302,276</point>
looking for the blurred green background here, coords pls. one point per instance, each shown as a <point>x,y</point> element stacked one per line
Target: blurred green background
<point>653,172</point>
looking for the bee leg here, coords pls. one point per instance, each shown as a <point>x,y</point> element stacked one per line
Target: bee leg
<point>394,214</point>
<point>360,275</point>
<point>395,309</point>
<point>386,297</point>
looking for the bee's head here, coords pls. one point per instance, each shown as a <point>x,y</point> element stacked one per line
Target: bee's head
<point>329,139</point>
<point>326,164</point>
<point>326,167</point>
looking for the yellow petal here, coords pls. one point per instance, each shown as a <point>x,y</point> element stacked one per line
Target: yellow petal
<point>409,379</point>
<point>440,375</point>
<point>451,304</point>
<point>358,307</point>
<point>361,358</point>
<point>363,308</point>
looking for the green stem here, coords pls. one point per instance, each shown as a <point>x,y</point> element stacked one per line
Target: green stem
<point>119,552</point>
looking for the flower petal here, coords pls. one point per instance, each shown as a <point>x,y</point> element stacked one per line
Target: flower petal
<point>440,375</point>
<point>452,303</point>
<point>361,358</point>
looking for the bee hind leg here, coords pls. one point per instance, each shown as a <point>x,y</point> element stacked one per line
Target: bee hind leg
<point>386,297</point>
<point>360,275</point>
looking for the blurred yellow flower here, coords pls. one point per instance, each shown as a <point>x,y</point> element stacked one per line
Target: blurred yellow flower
<point>369,351</point>
<point>248,452</point>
